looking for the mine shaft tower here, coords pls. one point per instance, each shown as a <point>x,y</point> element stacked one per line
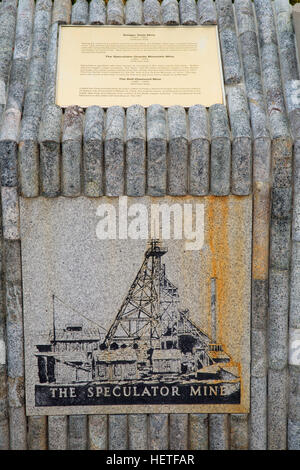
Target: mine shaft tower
<point>139,317</point>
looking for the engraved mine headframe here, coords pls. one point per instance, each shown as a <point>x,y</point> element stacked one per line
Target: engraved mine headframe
<point>151,339</point>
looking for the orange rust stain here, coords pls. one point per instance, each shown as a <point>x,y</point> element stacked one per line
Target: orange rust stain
<point>240,281</point>
<point>219,247</point>
<point>228,240</point>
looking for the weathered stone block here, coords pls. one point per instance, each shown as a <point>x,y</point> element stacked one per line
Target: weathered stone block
<point>218,432</point>
<point>239,432</point>
<point>61,12</point>
<point>72,151</point>
<point>219,125</point>
<point>93,151</point>
<point>199,167</point>
<point>261,220</point>
<point>15,356</point>
<point>278,291</point>
<point>138,427</point>
<point>282,202</point>
<point>178,431</point>
<point>238,112</point>
<point>2,92</point>
<point>97,12</point>
<point>292,88</point>
<point>293,435</point>
<point>24,29</point>
<point>36,74</point>
<point>220,151</point>
<point>115,12</point>
<point>57,433</point>
<point>258,415</point>
<point>51,66</point>
<point>170,12</point>
<point>156,151</point>
<point>296,169</point>
<point>16,391</point>
<point>157,167</point>
<point>135,167</point>
<point>259,353</point>
<point>156,122</point>
<point>220,164</point>
<point>10,125</point>
<point>259,303</point>
<point>152,14</point>
<point>10,213</point>
<point>80,12</point>
<point>286,41</point>
<point>278,340</point>
<point>72,124</point>
<point>266,26</point>
<point>33,103</point>
<point>37,433</point>
<point>93,168</point>
<point>18,429</point>
<point>135,151</point>
<point>294,346</point>
<point>134,12</point>
<point>244,16</point>
<point>277,409</point>
<point>198,123</point>
<point>114,167</point>
<point>4,434</point>
<point>178,158</point>
<point>241,166</point>
<point>71,168</point>
<point>294,318</point>
<point>280,243</point>
<point>50,155</point>
<point>97,432</point>
<point>282,163</point>
<point>77,432</point>
<point>230,55</point>
<point>13,270</point>
<point>278,319</point>
<point>296,217</point>
<point>118,435</point>
<point>158,432</point>
<point>198,431</point>
<point>29,129</point>
<point>225,14</point>
<point>29,168</point>
<point>9,152</point>
<point>207,12</point>
<point>188,12</point>
<point>294,393</point>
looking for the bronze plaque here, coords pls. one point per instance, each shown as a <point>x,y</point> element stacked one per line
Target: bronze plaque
<point>125,65</point>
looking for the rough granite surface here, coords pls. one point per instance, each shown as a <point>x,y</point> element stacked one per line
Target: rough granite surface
<point>247,148</point>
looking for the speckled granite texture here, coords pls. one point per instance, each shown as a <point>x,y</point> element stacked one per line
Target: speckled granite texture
<point>251,146</point>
